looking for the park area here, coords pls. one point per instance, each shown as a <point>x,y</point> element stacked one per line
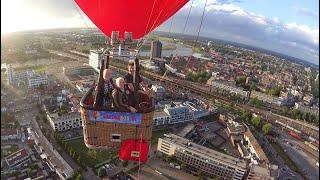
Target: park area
<point>90,157</point>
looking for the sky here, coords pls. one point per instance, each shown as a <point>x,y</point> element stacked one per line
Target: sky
<point>287,26</point>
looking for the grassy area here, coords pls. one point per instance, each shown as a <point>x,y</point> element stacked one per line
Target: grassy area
<point>169,47</point>
<point>167,39</point>
<point>40,68</point>
<point>89,156</point>
<point>7,151</point>
<point>157,134</point>
<point>36,68</point>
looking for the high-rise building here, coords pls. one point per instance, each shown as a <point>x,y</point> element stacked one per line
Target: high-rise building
<point>10,74</point>
<point>115,38</point>
<point>128,36</point>
<point>156,48</point>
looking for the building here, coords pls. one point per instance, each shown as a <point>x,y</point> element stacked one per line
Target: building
<point>235,132</point>
<point>161,118</point>
<point>94,59</point>
<point>115,38</point>
<point>10,134</point>
<point>156,48</point>
<point>17,158</point>
<point>128,37</point>
<point>196,157</point>
<point>20,75</point>
<point>178,113</point>
<point>37,80</point>
<point>257,155</point>
<point>258,173</point>
<point>65,122</point>
<point>10,74</point>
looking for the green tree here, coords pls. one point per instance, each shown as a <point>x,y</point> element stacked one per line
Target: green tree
<point>255,102</point>
<point>246,117</point>
<point>79,177</point>
<point>79,159</point>
<point>102,172</point>
<point>305,116</point>
<point>266,128</point>
<point>169,159</point>
<point>296,114</point>
<point>256,121</point>
<point>240,80</point>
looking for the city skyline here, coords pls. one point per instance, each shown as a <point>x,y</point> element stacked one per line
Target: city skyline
<point>289,27</point>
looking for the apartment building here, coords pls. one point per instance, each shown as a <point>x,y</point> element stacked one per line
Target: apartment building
<point>65,122</point>
<point>197,157</point>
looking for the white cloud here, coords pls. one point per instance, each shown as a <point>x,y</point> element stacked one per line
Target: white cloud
<point>308,33</point>
<point>233,23</point>
<point>276,20</point>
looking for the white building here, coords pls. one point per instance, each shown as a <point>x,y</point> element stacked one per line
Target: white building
<point>94,59</point>
<point>212,163</point>
<point>65,122</point>
<point>10,74</point>
<point>172,114</point>
<point>20,75</point>
<point>178,113</point>
<point>37,80</point>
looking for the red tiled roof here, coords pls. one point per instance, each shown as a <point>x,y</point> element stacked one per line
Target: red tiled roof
<point>17,157</point>
<point>8,132</point>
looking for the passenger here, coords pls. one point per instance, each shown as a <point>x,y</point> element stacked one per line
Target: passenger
<point>130,87</point>
<point>120,100</point>
<point>108,87</point>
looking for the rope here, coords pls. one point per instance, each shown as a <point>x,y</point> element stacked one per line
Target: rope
<point>140,156</point>
<point>204,9</point>
<point>154,2</point>
<point>185,25</point>
<point>202,17</point>
<point>165,73</point>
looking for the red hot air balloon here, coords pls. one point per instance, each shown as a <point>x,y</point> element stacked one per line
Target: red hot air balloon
<point>136,16</point>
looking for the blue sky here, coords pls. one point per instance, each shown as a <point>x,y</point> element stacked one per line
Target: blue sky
<point>300,11</point>
<point>287,26</point>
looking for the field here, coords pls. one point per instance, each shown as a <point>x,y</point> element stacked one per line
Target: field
<point>90,157</point>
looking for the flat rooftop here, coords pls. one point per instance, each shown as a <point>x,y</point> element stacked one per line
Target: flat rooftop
<point>203,151</point>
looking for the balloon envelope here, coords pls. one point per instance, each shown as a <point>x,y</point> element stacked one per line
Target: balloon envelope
<point>136,16</point>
